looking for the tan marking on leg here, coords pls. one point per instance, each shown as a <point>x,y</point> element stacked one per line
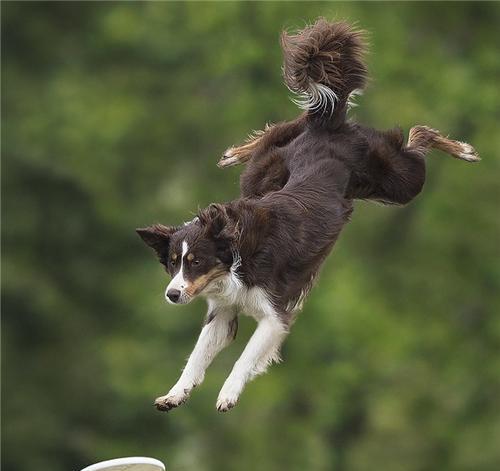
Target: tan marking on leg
<point>423,138</point>
<point>241,154</point>
<point>457,149</point>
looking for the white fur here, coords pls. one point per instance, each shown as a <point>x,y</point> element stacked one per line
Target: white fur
<point>351,100</point>
<point>261,350</point>
<point>297,305</point>
<point>317,98</point>
<point>178,281</point>
<point>214,336</point>
<point>263,347</point>
<point>468,153</point>
<point>191,222</point>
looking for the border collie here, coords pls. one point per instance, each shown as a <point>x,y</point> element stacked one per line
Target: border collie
<point>260,254</point>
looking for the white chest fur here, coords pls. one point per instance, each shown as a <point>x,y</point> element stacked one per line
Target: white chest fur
<point>231,292</point>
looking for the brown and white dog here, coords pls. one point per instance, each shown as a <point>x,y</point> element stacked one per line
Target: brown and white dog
<point>260,253</point>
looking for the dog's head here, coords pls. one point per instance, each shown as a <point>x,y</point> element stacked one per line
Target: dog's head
<point>197,255</point>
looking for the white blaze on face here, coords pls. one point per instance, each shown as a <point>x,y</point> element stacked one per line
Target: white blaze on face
<point>178,281</point>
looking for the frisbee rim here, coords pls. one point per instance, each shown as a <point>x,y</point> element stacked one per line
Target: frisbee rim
<point>130,460</point>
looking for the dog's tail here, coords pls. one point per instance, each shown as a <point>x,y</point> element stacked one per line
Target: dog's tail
<point>324,65</point>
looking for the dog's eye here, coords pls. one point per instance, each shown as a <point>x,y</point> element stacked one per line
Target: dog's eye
<point>195,262</point>
<point>173,262</point>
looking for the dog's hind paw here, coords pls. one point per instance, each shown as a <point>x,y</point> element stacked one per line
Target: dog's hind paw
<point>236,156</point>
<point>467,152</point>
<point>230,158</point>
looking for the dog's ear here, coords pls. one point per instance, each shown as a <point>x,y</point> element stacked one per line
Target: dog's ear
<point>157,237</point>
<point>217,221</point>
<point>222,227</point>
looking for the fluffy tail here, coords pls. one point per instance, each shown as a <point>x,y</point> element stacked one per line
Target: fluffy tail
<point>324,65</point>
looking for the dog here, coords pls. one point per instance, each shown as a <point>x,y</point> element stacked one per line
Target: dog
<point>261,253</point>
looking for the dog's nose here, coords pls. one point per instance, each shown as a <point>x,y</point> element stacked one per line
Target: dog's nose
<point>173,295</point>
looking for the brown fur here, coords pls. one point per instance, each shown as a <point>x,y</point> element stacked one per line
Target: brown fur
<point>330,54</point>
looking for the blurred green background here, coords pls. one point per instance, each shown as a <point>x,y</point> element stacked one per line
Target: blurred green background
<point>114,115</point>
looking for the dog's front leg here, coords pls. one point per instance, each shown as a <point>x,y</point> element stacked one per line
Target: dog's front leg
<point>261,350</point>
<point>221,325</point>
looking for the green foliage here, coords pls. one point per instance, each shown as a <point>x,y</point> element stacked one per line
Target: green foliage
<point>114,115</point>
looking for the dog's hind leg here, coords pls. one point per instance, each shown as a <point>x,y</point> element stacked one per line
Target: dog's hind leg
<point>260,142</point>
<point>217,333</point>
<point>423,138</point>
<point>393,173</point>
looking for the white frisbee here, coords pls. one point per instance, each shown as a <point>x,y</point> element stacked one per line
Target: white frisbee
<point>133,463</point>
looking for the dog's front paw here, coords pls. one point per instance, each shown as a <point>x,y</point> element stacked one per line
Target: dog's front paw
<point>171,400</point>
<point>228,396</point>
<point>225,404</point>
